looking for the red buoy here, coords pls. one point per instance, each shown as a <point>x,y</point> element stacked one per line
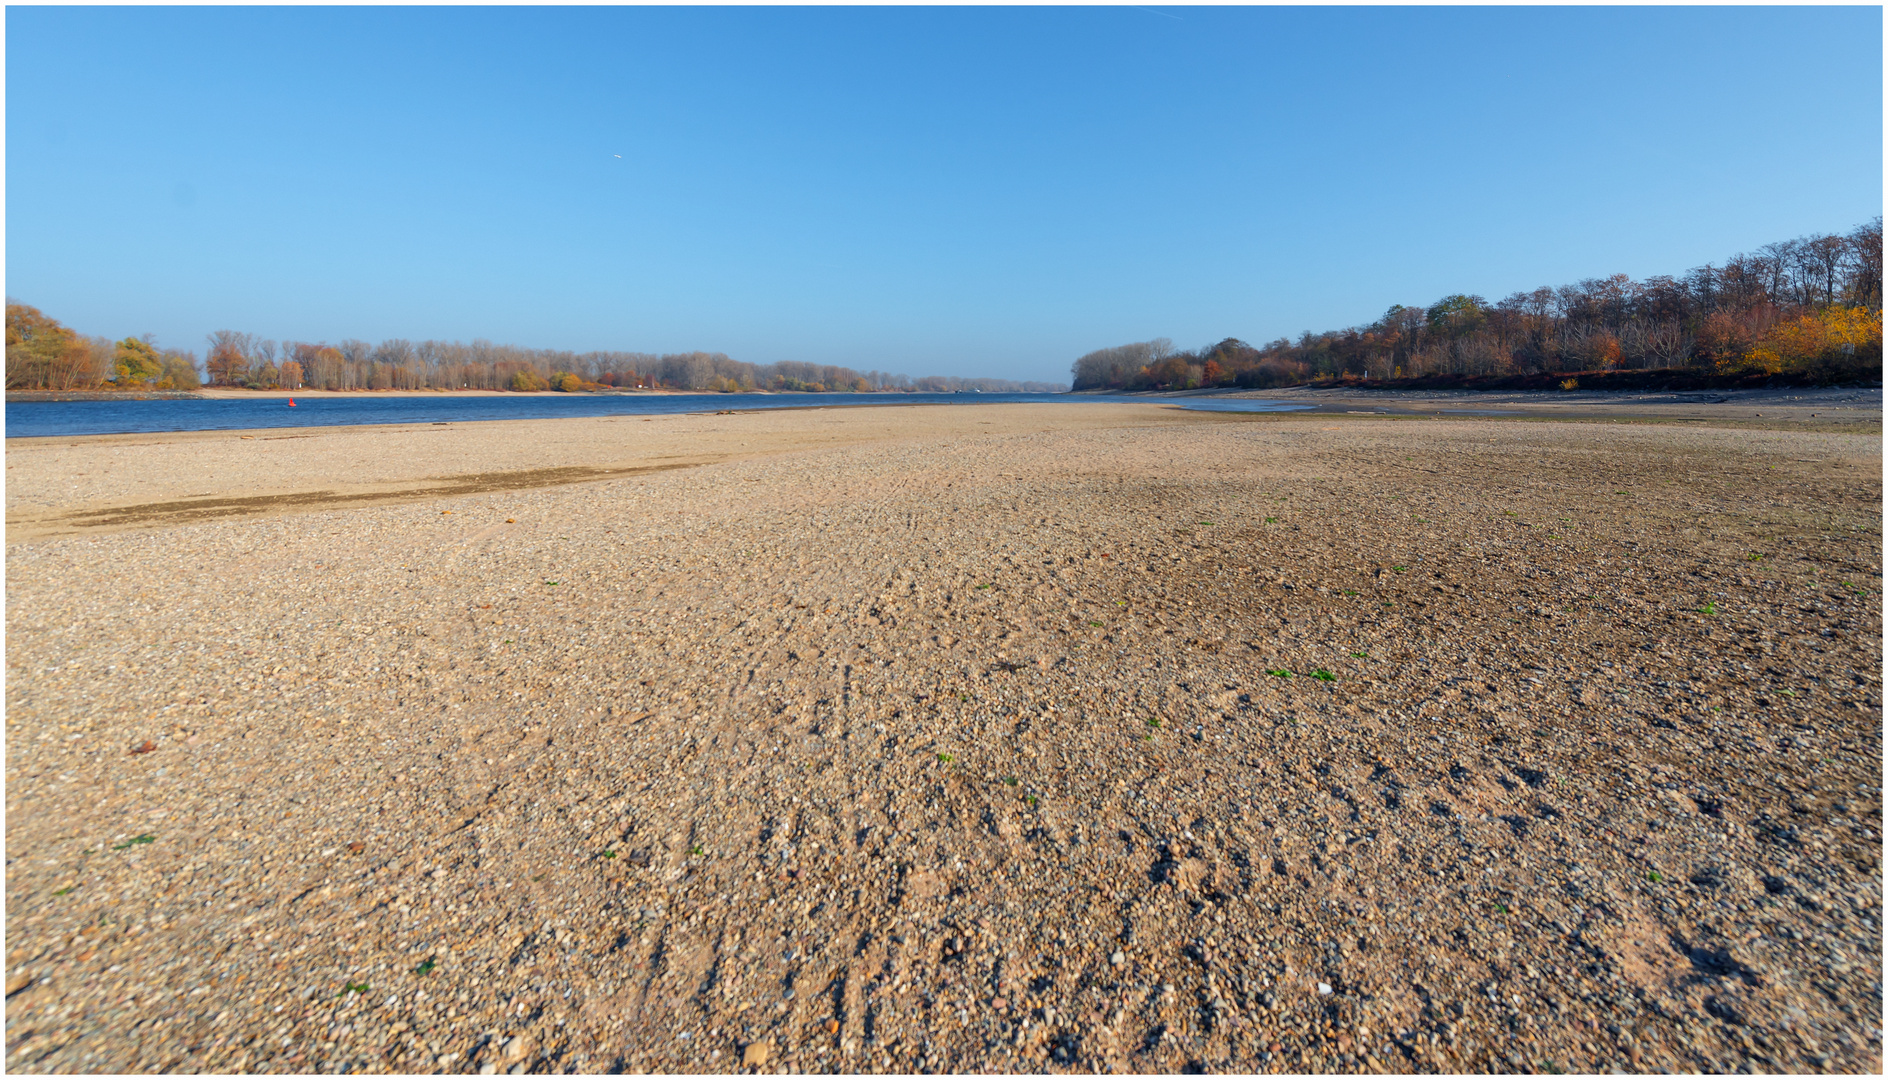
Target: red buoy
<point>291,403</point>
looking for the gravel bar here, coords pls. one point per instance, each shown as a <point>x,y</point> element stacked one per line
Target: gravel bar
<point>1063,738</point>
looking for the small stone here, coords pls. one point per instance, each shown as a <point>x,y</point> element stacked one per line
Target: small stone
<point>757,1053</point>
<point>1324,988</point>
<point>1118,958</point>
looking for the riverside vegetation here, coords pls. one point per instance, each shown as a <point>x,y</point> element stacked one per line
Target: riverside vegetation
<point>1806,309</point>
<point>43,354</point>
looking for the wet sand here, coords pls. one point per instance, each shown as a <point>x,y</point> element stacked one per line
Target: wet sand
<point>988,738</point>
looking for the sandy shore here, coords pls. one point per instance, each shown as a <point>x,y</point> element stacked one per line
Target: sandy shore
<point>1798,408</point>
<point>989,738</point>
<point>233,393</point>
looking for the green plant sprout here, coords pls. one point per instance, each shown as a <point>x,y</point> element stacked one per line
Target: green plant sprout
<point>1323,676</point>
<point>1010,780</point>
<point>1270,521</point>
<point>1708,609</point>
<point>1153,721</point>
<point>696,852</point>
<point>945,759</point>
<point>1654,876</point>
<point>609,854</point>
<point>62,892</point>
<point>1350,592</point>
<point>1278,673</point>
<point>141,838</point>
<point>986,584</point>
<point>426,967</point>
<point>352,988</point>
<point>1094,624</point>
<point>1360,656</point>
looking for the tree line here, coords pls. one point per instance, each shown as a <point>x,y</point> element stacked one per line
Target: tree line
<point>42,354</point>
<point>1809,306</point>
<point>239,359</point>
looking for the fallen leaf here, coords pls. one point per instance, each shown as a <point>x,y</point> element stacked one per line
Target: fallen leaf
<point>356,848</point>
<point>144,747</point>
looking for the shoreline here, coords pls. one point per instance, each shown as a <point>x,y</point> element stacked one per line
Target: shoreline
<point>273,471</point>
<point>1859,412</point>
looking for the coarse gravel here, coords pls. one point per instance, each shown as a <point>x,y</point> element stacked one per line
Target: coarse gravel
<point>962,739</point>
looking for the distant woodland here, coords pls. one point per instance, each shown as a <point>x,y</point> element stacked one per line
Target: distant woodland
<point>1810,307</point>
<point>42,354</point>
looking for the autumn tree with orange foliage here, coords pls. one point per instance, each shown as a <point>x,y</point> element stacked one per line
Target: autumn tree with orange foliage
<point>44,354</point>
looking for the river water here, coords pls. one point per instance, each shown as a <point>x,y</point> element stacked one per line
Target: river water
<point>27,419</point>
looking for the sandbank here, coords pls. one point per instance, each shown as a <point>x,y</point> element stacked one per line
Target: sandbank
<point>988,739</point>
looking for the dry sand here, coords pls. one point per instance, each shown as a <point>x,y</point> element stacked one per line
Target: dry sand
<point>1835,408</point>
<point>946,739</point>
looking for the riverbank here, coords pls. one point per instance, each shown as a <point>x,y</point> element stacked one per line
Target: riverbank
<point>230,393</point>
<point>227,393</point>
<point>1024,738</point>
<point>105,395</point>
<point>1807,408</point>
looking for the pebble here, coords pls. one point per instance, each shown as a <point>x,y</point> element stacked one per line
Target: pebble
<point>568,820</point>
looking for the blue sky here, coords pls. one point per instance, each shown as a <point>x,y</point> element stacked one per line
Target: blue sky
<point>982,191</point>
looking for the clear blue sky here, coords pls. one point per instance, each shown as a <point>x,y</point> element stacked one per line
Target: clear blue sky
<point>985,191</point>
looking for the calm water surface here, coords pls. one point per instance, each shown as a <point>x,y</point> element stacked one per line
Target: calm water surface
<point>44,418</point>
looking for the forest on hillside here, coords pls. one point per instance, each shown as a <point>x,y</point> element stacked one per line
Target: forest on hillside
<point>43,354</point>
<point>1809,307</point>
